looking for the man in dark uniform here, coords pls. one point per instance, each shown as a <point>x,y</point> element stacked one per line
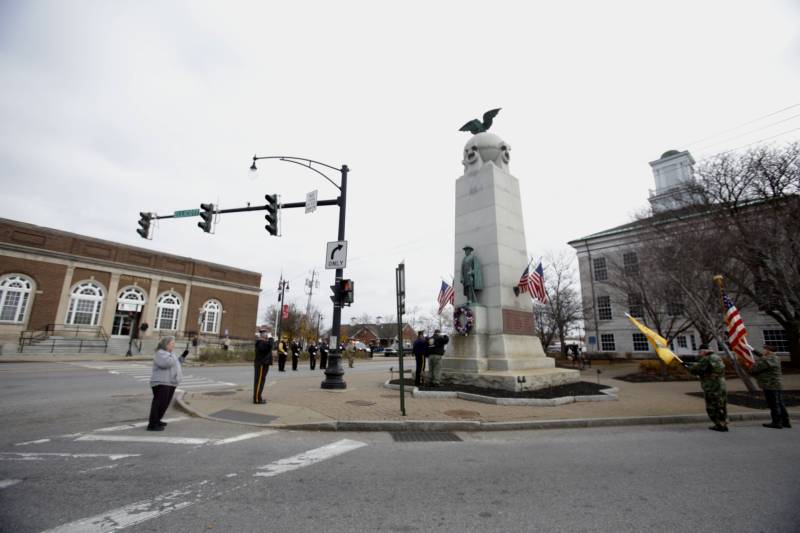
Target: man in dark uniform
<point>262,362</point>
<point>281,355</point>
<point>312,355</point>
<point>323,356</point>
<point>295,354</point>
<point>711,371</point>
<point>436,346</point>
<point>767,371</point>
<point>420,349</point>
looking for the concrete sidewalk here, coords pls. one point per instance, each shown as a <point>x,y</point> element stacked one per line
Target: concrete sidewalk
<point>366,405</point>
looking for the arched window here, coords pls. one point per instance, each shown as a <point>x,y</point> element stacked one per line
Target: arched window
<point>15,292</point>
<point>130,299</point>
<point>209,316</point>
<point>85,303</point>
<point>168,311</point>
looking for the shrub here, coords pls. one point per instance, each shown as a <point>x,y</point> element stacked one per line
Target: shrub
<point>210,354</point>
<point>655,367</point>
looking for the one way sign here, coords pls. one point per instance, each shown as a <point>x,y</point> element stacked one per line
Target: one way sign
<point>336,255</point>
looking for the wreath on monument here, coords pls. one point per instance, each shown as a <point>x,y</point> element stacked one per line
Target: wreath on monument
<point>463,320</point>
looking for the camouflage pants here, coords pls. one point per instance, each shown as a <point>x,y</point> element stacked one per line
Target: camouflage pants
<point>717,407</point>
<point>435,370</point>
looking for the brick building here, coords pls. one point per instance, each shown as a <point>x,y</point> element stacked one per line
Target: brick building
<point>51,277</point>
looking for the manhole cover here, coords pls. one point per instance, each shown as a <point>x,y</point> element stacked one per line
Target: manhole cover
<point>220,393</point>
<point>462,413</point>
<point>362,403</point>
<point>425,436</point>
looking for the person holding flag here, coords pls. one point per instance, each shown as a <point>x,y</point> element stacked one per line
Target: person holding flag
<point>711,372</point>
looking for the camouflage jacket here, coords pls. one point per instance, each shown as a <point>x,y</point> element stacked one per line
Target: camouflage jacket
<point>711,371</point>
<point>767,371</point>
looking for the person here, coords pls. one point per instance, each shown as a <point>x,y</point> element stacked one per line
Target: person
<point>711,372</point>
<point>226,344</point>
<point>323,355</point>
<point>312,355</point>
<point>166,376</point>
<point>471,276</point>
<point>262,362</point>
<point>282,355</point>
<point>436,346</point>
<point>295,354</point>
<point>371,350</point>
<point>767,371</point>
<point>350,352</point>
<point>420,349</point>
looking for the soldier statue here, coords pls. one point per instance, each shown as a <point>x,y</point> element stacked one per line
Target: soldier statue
<point>471,276</point>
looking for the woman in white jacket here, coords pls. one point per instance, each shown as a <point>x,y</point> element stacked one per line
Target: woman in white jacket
<point>166,376</point>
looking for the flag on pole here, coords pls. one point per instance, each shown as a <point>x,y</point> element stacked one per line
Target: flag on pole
<point>446,296</point>
<point>737,333</point>
<point>658,342</point>
<point>533,283</point>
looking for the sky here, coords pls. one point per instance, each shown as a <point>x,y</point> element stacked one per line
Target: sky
<point>112,108</point>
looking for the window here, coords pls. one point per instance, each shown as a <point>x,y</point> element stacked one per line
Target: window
<point>635,307</point>
<point>607,342</point>
<point>681,341</point>
<point>15,291</point>
<point>777,338</point>
<point>600,270</point>
<point>640,343</point>
<point>630,263</point>
<point>168,311</point>
<point>129,298</point>
<point>604,307</point>
<point>209,317</point>
<point>85,303</point>
<point>694,342</point>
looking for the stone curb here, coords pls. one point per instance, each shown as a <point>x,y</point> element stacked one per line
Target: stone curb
<point>607,394</point>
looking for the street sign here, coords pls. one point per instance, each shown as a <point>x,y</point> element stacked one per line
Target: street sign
<point>187,213</point>
<point>311,201</point>
<point>336,255</point>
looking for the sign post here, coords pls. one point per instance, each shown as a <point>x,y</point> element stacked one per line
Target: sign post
<point>400,284</point>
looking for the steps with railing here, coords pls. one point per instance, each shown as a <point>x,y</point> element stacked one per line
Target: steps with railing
<point>64,338</point>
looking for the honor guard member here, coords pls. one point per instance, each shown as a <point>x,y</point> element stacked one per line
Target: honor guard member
<point>295,354</point>
<point>420,349</point>
<point>262,362</point>
<point>312,355</point>
<point>767,371</point>
<point>323,356</point>
<point>436,346</point>
<point>711,371</point>
<point>282,355</point>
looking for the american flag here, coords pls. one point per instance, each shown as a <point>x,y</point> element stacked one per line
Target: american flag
<point>446,296</point>
<point>737,333</point>
<point>533,283</point>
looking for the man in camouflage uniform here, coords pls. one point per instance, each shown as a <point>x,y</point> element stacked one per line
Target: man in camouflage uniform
<point>711,372</point>
<point>767,371</point>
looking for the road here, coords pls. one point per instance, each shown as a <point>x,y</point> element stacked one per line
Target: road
<point>74,457</point>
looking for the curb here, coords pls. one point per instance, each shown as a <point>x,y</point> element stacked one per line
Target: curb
<point>609,393</point>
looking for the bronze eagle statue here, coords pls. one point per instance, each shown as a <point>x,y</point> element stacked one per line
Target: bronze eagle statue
<point>476,126</point>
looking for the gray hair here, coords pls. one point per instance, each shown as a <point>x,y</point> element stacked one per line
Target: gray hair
<point>162,344</point>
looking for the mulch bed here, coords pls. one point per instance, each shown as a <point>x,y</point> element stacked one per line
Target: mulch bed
<point>647,377</point>
<point>582,388</point>
<point>791,398</point>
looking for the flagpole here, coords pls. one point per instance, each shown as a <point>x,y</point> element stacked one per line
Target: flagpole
<point>719,281</point>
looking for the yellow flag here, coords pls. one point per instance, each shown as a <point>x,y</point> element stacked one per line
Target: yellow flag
<point>658,342</point>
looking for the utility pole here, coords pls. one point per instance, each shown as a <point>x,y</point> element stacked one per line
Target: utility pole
<point>283,286</point>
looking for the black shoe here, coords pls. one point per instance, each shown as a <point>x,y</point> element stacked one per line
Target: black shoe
<point>786,425</point>
<point>773,426</point>
<point>718,428</point>
<point>162,424</point>
<point>155,428</point>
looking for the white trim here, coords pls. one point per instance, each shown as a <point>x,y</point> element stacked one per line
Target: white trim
<point>25,303</point>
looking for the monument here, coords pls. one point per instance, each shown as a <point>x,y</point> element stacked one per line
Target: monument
<point>496,347</point>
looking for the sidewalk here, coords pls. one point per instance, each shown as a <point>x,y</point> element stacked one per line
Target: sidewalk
<point>366,405</point>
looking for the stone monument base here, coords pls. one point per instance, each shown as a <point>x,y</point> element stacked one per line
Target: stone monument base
<point>513,380</point>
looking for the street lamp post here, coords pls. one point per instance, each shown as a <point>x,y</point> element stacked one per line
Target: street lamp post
<point>334,372</point>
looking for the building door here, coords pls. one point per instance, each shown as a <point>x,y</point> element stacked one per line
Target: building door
<point>124,323</point>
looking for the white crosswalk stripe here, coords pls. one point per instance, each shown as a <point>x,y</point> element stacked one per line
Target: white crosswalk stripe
<point>141,372</point>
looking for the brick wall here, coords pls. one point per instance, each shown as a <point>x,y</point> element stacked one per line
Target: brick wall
<point>49,279</point>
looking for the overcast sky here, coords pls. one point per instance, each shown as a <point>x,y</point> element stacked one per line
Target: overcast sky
<point>109,108</point>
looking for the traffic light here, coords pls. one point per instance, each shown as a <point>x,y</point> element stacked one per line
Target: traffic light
<point>207,214</point>
<point>272,213</point>
<point>346,291</point>
<point>144,222</point>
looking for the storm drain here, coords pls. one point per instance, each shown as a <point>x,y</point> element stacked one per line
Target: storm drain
<point>425,436</point>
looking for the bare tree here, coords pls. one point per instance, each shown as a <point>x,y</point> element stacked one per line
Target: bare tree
<point>563,310</point>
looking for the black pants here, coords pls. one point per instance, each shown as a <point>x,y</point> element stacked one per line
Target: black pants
<point>259,379</point>
<point>420,370</point>
<point>323,360</point>
<point>295,360</point>
<point>312,360</point>
<point>281,362</point>
<point>162,396</point>
<point>777,409</point>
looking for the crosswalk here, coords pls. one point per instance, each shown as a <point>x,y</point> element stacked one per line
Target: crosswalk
<point>141,372</point>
